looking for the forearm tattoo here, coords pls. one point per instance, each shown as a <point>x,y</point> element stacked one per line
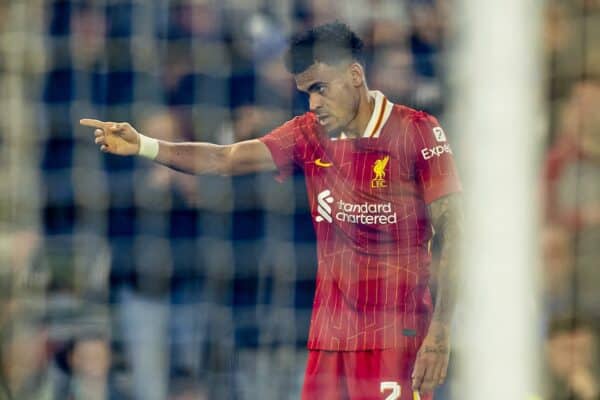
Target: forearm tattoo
<point>439,349</point>
<point>448,222</point>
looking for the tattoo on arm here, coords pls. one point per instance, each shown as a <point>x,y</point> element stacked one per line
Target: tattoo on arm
<point>447,220</point>
<point>439,349</point>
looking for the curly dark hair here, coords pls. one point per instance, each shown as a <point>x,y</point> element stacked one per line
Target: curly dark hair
<point>329,43</point>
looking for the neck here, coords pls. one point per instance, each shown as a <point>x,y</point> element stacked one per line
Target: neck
<point>359,123</point>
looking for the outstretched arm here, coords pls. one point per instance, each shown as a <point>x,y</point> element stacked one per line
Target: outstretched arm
<point>191,157</point>
<point>432,360</point>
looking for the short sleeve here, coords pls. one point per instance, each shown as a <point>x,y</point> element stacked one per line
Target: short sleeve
<point>434,166</point>
<point>281,142</point>
<point>291,142</point>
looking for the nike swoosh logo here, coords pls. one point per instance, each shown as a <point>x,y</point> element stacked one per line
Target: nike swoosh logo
<point>323,164</point>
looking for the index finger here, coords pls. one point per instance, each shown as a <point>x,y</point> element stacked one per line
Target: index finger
<point>94,123</point>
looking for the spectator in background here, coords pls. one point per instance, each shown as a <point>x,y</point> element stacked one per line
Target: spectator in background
<point>393,69</point>
<point>321,12</point>
<point>24,360</point>
<point>88,36</point>
<point>161,321</point>
<point>558,269</point>
<point>389,22</point>
<point>426,44</point>
<point>199,19</point>
<point>187,387</point>
<point>177,196</point>
<point>23,324</point>
<point>572,360</point>
<point>168,126</point>
<point>573,162</point>
<point>85,362</point>
<point>572,188</point>
<point>262,92</point>
<point>572,39</point>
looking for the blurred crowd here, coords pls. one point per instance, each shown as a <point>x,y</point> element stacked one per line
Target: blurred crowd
<point>121,279</point>
<point>570,193</point>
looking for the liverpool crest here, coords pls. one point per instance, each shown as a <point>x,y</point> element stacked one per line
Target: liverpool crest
<point>379,166</point>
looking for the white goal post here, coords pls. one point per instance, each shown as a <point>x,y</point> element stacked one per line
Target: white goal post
<point>497,116</point>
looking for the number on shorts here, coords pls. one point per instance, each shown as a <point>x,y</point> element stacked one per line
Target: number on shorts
<point>396,390</point>
<point>394,387</point>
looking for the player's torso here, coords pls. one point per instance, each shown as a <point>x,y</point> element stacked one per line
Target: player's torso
<point>373,230</point>
<point>363,194</point>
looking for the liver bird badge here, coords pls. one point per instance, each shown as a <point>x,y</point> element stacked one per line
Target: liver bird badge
<point>379,172</point>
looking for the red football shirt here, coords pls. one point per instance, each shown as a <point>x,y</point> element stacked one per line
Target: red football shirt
<point>368,200</point>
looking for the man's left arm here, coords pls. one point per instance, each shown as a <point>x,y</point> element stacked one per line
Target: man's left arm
<point>432,359</point>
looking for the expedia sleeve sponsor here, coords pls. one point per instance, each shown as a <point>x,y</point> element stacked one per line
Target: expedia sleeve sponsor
<point>432,158</point>
<point>435,151</point>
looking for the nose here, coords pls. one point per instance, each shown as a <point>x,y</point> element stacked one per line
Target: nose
<point>314,102</point>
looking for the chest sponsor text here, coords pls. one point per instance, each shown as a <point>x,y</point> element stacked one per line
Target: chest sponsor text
<point>354,213</point>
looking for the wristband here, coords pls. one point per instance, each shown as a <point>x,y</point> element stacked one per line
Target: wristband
<point>148,147</point>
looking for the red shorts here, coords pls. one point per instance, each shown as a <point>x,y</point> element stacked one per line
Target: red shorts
<point>360,375</point>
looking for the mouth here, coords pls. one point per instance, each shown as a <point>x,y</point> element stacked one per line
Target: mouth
<point>323,119</point>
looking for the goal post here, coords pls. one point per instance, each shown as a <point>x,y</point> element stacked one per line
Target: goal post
<point>497,114</point>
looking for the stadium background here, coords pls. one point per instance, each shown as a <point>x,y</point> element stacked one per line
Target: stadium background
<point>168,285</point>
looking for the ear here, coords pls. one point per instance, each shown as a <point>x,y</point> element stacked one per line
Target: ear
<point>357,74</point>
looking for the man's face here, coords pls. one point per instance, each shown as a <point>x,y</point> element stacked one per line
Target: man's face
<point>333,93</point>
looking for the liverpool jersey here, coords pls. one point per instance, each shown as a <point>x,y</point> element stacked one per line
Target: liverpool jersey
<point>368,198</point>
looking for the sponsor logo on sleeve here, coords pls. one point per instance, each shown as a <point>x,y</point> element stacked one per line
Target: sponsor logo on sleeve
<point>435,151</point>
<point>439,134</point>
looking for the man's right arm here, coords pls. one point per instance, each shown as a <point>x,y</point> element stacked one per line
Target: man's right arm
<point>191,157</point>
<point>207,158</point>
